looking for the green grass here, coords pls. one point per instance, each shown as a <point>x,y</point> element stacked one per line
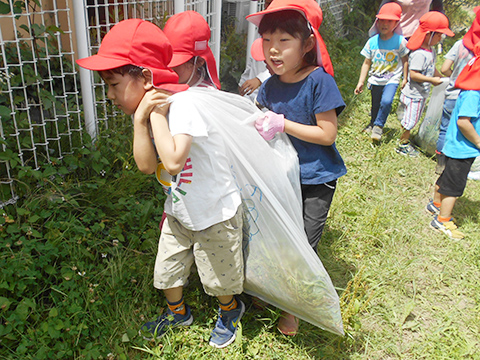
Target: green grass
<point>78,250</point>
<point>407,292</point>
<point>78,253</point>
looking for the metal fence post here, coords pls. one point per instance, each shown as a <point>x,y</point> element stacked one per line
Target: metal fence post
<point>83,46</point>
<point>252,29</point>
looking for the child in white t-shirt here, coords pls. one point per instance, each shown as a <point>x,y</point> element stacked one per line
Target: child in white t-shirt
<point>386,57</point>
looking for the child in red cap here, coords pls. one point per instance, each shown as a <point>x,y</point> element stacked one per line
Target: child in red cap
<point>386,57</point>
<point>455,60</point>
<point>422,74</point>
<point>192,59</point>
<point>132,60</point>
<point>462,146</point>
<point>303,101</point>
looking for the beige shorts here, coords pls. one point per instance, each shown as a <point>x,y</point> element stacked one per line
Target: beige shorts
<point>216,251</point>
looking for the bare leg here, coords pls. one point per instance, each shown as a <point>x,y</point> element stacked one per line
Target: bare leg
<point>173,295</point>
<point>225,299</point>
<point>437,197</point>
<point>405,136</point>
<point>448,202</point>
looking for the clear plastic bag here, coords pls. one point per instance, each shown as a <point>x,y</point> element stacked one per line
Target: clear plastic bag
<point>281,268</point>
<point>430,128</point>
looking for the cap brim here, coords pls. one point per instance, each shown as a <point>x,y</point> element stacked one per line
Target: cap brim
<point>256,18</point>
<point>179,59</point>
<point>257,50</point>
<point>388,17</point>
<point>447,32</point>
<point>100,63</point>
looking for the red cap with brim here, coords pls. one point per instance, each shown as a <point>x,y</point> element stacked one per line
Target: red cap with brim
<point>140,43</point>
<point>472,36</point>
<point>312,12</point>
<point>431,21</point>
<point>468,79</point>
<point>189,34</point>
<point>389,11</point>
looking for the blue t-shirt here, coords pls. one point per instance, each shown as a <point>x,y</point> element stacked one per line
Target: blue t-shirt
<point>299,102</point>
<point>386,56</point>
<point>456,145</point>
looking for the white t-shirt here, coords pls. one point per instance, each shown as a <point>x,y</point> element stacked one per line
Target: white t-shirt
<point>254,69</point>
<point>422,61</point>
<point>204,192</point>
<point>386,56</point>
<point>460,56</point>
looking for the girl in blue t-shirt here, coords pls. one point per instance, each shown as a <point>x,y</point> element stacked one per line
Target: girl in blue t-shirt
<point>304,102</point>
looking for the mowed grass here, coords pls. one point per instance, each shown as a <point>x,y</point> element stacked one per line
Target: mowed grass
<point>407,292</point>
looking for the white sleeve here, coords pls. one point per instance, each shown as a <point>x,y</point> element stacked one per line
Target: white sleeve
<point>184,117</point>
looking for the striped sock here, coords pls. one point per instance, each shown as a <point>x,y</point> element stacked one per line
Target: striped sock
<point>177,307</point>
<point>230,306</point>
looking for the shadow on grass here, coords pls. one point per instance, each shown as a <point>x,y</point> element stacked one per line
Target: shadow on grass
<point>466,207</point>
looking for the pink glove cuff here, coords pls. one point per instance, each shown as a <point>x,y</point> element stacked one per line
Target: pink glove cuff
<point>269,124</point>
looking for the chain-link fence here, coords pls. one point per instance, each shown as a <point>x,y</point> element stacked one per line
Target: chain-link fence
<point>39,103</point>
<point>44,112</point>
<point>42,116</point>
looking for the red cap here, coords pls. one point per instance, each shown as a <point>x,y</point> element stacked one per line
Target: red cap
<point>312,12</point>
<point>468,78</point>
<point>136,42</point>
<point>390,11</point>
<point>431,21</point>
<point>189,34</point>
<point>472,36</point>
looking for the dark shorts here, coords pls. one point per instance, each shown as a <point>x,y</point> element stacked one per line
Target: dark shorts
<point>453,180</point>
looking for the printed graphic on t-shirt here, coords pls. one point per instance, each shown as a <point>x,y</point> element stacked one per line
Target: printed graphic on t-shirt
<point>172,185</point>
<point>384,63</point>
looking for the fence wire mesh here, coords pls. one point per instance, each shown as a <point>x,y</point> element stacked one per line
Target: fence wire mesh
<point>102,15</point>
<point>41,115</point>
<point>39,103</point>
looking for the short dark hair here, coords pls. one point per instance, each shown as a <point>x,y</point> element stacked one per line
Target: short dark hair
<point>293,23</point>
<point>132,70</point>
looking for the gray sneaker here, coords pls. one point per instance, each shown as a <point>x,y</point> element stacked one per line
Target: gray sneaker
<point>407,149</point>
<point>377,132</point>
<point>367,129</point>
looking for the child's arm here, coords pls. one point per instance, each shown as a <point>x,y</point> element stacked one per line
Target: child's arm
<point>405,71</point>
<point>419,77</point>
<point>324,133</point>
<point>143,148</point>
<point>446,68</point>
<point>466,127</point>
<point>172,150</point>
<point>363,75</point>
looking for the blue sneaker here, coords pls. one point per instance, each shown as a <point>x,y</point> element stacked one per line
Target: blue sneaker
<point>407,149</point>
<point>448,228</point>
<point>432,209</point>
<point>156,329</point>
<point>226,327</point>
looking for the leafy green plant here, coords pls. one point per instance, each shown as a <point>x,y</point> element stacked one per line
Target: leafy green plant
<point>73,249</point>
<point>232,55</point>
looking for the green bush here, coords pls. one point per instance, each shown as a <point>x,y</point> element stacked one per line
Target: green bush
<point>74,249</point>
